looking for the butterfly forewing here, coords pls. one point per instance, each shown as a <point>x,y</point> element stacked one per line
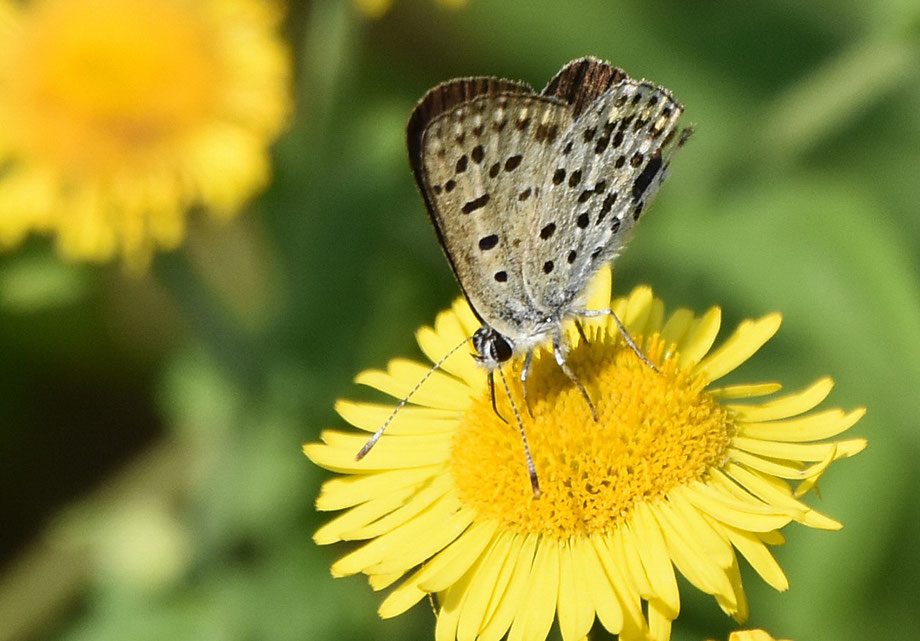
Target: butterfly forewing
<point>481,165</point>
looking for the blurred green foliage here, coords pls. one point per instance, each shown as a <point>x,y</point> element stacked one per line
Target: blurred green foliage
<point>153,485</point>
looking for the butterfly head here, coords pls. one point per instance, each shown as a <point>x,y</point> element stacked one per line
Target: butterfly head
<point>492,348</point>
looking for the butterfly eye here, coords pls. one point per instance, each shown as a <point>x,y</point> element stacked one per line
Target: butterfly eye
<point>499,348</point>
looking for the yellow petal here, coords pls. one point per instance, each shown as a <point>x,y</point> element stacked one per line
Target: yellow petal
<point>731,511</point>
<point>346,491</point>
<point>599,588</point>
<point>798,451</point>
<point>699,338</point>
<point>338,528</point>
<point>513,596</point>
<point>484,585</point>
<point>654,554</point>
<point>467,549</point>
<point>338,454</point>
<point>409,420</point>
<point>659,621</point>
<point>404,377</point>
<point>789,405</point>
<point>433,529</point>
<point>535,614</point>
<point>575,606</point>
<point>676,327</point>
<point>420,501</point>
<point>760,558</point>
<point>740,346</point>
<point>745,391</point>
<point>814,427</point>
<point>634,624</point>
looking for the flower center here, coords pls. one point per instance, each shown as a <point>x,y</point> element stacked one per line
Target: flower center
<point>93,81</point>
<point>656,430</point>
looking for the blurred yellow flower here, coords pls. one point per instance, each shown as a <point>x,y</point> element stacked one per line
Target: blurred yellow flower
<point>676,473</point>
<point>379,8</point>
<point>752,635</point>
<point>120,115</point>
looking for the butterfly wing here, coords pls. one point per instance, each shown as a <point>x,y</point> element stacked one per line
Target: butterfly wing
<point>607,166</point>
<point>478,148</point>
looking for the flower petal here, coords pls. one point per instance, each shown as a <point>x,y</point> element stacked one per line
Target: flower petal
<point>347,491</point>
<point>535,614</point>
<point>485,584</point>
<point>505,604</point>
<point>740,346</point>
<point>404,377</point>
<point>466,549</point>
<point>789,405</point>
<point>432,530</point>
<point>699,338</point>
<point>655,559</point>
<point>813,427</point>
<point>744,391</point>
<point>409,420</point>
<point>599,588</point>
<point>575,606</point>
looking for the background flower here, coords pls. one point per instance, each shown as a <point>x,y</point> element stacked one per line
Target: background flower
<point>121,115</point>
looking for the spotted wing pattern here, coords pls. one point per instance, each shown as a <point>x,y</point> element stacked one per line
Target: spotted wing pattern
<point>478,155</point>
<point>531,193</point>
<point>609,163</point>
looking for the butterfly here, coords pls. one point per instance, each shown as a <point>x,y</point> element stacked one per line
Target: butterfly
<point>532,193</point>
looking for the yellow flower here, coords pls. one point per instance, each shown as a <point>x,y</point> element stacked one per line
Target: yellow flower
<point>752,635</point>
<point>677,473</point>
<point>120,115</point>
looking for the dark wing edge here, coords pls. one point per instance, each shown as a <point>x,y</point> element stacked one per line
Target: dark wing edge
<point>580,82</point>
<point>445,97</point>
<point>437,101</point>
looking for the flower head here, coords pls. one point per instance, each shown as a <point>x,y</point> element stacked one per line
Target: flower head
<point>676,473</point>
<point>120,115</point>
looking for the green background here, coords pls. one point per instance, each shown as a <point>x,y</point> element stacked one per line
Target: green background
<point>150,428</point>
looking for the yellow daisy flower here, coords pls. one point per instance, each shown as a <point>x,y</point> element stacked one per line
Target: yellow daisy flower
<point>120,115</point>
<point>677,473</point>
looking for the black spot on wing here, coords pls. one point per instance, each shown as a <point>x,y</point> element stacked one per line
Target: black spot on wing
<point>477,154</point>
<point>513,162</point>
<point>476,203</point>
<point>488,242</point>
<point>644,179</point>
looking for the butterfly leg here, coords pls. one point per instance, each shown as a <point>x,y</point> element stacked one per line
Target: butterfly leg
<point>623,332</point>
<point>560,354</point>
<point>492,394</point>
<point>581,332</point>
<point>525,372</point>
<point>531,469</point>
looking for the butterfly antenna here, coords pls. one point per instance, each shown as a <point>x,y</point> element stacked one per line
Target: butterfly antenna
<point>531,470</point>
<point>376,437</point>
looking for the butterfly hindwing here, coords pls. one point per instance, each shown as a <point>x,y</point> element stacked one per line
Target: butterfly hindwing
<point>608,165</point>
